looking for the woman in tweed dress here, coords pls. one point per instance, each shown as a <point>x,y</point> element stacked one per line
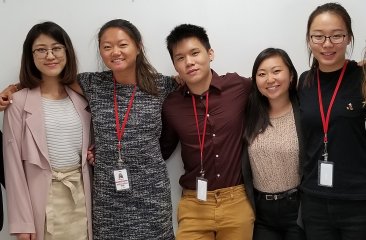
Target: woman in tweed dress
<point>139,205</point>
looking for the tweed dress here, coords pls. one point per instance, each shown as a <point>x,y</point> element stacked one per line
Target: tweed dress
<point>145,211</point>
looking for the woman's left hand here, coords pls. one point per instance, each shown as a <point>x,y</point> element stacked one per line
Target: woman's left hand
<point>90,155</point>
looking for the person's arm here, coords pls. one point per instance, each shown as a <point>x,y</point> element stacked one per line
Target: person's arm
<point>6,96</point>
<point>25,236</point>
<point>362,63</point>
<point>168,140</point>
<point>20,214</point>
<point>171,83</point>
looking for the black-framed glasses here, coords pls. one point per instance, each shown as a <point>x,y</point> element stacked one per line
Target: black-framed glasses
<point>58,52</point>
<point>335,39</point>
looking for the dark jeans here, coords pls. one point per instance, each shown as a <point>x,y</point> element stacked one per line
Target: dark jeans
<point>276,219</point>
<point>329,219</point>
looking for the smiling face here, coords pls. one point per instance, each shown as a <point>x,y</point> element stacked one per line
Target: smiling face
<point>50,66</point>
<point>192,62</point>
<point>273,78</point>
<point>330,56</point>
<point>118,50</point>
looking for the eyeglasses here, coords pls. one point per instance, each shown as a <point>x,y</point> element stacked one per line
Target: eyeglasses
<point>58,52</point>
<point>335,39</point>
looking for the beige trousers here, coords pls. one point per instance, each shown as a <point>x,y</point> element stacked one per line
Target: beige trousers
<point>66,212</point>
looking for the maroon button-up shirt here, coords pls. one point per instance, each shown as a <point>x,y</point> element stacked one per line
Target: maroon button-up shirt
<point>223,146</point>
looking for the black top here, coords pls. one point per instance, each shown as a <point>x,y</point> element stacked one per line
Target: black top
<point>346,134</point>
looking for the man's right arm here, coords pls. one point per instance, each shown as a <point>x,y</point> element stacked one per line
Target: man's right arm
<point>169,138</point>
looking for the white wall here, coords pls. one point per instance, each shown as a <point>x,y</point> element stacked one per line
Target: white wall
<point>238,30</point>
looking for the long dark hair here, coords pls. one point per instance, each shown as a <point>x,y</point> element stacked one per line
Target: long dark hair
<point>146,74</point>
<point>336,9</point>
<point>257,111</point>
<point>30,76</point>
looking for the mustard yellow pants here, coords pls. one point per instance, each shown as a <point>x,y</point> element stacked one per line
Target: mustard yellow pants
<point>226,215</point>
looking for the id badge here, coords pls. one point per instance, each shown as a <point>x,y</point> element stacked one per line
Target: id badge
<point>201,187</point>
<point>121,179</point>
<point>325,176</point>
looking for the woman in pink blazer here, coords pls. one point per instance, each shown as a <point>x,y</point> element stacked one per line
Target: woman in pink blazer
<point>46,137</point>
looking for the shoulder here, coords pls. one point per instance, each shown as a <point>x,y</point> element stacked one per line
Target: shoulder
<point>233,82</point>
<point>89,81</point>
<point>303,75</point>
<point>235,77</point>
<point>89,76</point>
<point>232,75</point>
<point>175,100</point>
<point>161,77</point>
<point>354,68</point>
<point>21,96</point>
<point>302,79</point>
<point>163,80</point>
<point>19,100</point>
<point>176,94</point>
<point>165,84</point>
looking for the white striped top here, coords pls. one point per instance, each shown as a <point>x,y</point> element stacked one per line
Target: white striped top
<point>64,133</point>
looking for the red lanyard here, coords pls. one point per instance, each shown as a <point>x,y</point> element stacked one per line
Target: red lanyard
<point>325,120</point>
<point>201,140</point>
<point>121,130</point>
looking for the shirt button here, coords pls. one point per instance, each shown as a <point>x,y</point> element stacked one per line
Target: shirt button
<point>201,97</point>
<point>218,175</point>
<point>217,155</point>
<point>214,135</point>
<point>208,115</point>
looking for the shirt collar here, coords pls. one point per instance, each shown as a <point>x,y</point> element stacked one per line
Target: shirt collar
<point>215,85</point>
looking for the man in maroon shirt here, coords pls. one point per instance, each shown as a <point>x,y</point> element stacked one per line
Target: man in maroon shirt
<point>207,117</point>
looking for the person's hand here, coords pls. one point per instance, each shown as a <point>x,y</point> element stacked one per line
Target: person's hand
<point>26,236</point>
<point>361,63</point>
<point>90,155</point>
<point>6,96</point>
<point>179,80</point>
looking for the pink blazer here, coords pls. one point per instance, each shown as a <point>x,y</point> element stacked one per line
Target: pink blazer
<point>27,167</point>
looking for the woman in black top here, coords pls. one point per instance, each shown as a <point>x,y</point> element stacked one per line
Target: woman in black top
<point>333,120</point>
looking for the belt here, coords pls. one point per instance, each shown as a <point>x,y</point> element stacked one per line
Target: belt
<point>276,196</point>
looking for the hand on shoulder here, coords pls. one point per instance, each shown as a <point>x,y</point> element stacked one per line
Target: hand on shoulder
<point>6,96</point>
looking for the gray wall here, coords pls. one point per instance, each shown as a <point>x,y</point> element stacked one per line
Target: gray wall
<point>238,30</point>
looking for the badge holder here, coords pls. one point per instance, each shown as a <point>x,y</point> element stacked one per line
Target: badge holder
<point>325,178</point>
<point>121,176</point>
<point>325,171</point>
<point>201,186</point>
